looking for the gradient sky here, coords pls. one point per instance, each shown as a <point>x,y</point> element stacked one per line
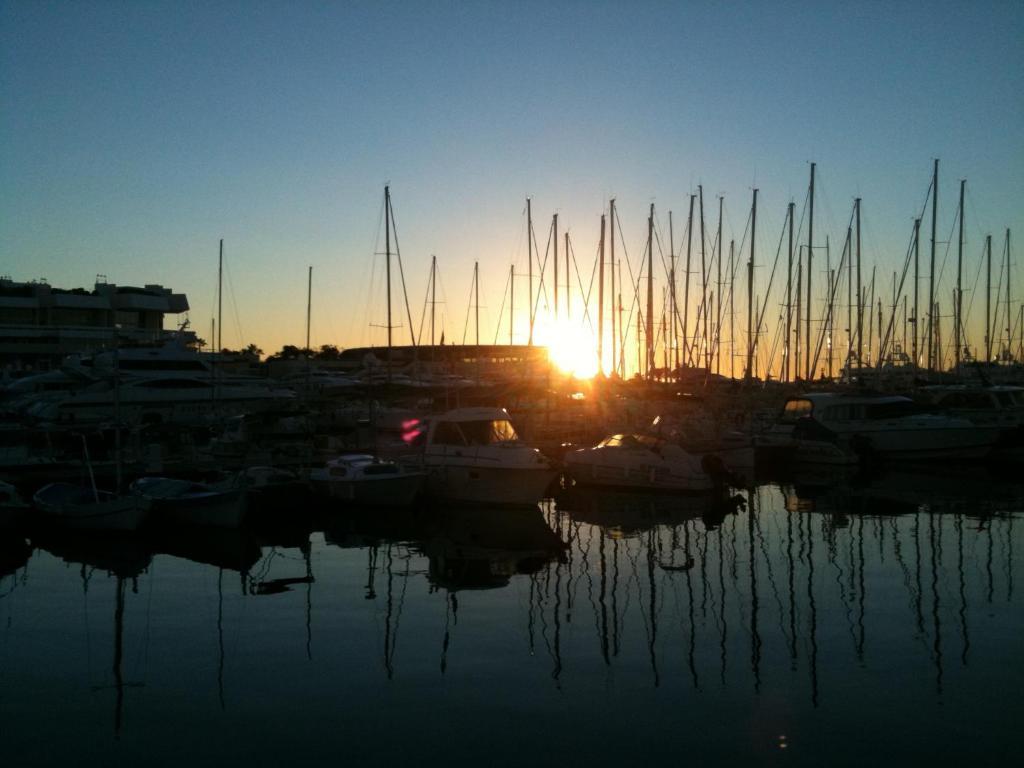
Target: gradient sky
<point>134,135</point>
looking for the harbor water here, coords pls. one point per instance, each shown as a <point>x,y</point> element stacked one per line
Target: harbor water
<point>795,623</point>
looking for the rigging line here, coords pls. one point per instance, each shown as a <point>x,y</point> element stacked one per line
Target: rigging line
<point>401,272</point>
<point>834,286</point>
<point>579,281</point>
<point>771,279</point>
<point>234,304</point>
<point>973,291</point>
<point>469,309</point>
<point>541,287</point>
<point>501,311</point>
<point>423,314</point>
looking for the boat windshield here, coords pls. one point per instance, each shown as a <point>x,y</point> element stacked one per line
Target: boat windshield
<point>629,441</point>
<point>487,432</point>
<point>796,409</point>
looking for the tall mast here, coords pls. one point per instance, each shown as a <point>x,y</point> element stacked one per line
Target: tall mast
<point>673,312</point>
<point>750,291</point>
<point>849,295</point>
<point>958,325</point>
<point>476,293</point>
<point>600,303</point>
<point>686,288</point>
<point>554,237</point>
<point>799,301</point>
<point>810,272</point>
<point>387,256</point>
<point>931,271</point>
<point>433,296</point>
<point>309,306</point>
<point>220,297</point>
<point>860,302</point>
<point>732,291</point>
<point>704,279</point>
<point>611,242</point>
<point>649,327</point>
<point>988,298</point>
<point>529,256</point>
<point>1009,328</point>
<point>511,301</point>
<point>717,336</point>
<point>917,313</point>
<point>787,346</point>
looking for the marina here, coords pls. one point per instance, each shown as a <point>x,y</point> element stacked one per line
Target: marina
<point>492,384</point>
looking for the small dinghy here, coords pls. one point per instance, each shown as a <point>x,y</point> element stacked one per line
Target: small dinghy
<point>77,507</point>
<point>367,481</point>
<point>183,502</point>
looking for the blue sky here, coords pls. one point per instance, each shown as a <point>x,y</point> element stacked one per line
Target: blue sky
<point>134,135</point>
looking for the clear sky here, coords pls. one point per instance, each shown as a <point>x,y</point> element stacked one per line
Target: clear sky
<point>134,135</point>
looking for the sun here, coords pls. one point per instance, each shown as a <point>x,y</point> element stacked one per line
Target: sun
<point>572,349</point>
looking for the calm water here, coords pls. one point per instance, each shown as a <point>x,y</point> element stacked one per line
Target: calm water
<point>820,623</point>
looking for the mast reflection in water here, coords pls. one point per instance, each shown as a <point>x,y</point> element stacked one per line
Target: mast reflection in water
<point>838,619</point>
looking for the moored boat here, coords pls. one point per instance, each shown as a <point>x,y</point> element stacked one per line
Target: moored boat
<point>366,480</point>
<point>77,507</point>
<point>184,502</point>
<point>638,462</point>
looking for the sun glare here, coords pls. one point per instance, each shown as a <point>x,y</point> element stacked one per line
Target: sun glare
<point>573,350</point>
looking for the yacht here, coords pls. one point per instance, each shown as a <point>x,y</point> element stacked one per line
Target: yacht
<point>835,427</point>
<point>473,455</point>
<point>160,400</point>
<point>999,406</point>
<point>638,462</point>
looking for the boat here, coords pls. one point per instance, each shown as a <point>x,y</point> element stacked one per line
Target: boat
<point>833,427</point>
<point>999,406</point>
<point>638,462</point>
<point>183,502</point>
<point>12,506</point>
<point>474,455</point>
<point>367,481</point>
<point>77,507</point>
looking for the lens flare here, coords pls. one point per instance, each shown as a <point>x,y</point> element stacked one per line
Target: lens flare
<point>572,349</point>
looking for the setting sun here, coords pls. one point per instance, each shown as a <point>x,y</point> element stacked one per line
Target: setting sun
<point>572,349</point>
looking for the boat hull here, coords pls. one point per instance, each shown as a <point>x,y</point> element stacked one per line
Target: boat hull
<point>491,486</point>
<point>213,510</point>
<point>71,507</point>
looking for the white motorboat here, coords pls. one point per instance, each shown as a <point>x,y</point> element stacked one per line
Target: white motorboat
<point>829,427</point>
<point>366,480</point>
<point>638,462</point>
<point>183,502</point>
<point>80,508</point>
<point>473,455</point>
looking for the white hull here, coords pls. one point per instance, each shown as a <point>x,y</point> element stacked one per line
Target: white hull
<point>491,486</point>
<point>393,491</point>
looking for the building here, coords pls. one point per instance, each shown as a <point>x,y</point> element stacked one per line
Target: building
<point>41,324</point>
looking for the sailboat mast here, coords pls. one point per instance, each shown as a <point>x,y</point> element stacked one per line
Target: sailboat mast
<point>554,238</point>
<point>917,313</point>
<point>686,286</point>
<point>649,327</point>
<point>309,305</point>
<point>810,270</point>
<point>673,312</point>
<point>1009,329</point>
<point>529,256</point>
<point>717,336</point>
<point>988,298</point>
<point>600,303</point>
<point>750,291</point>
<point>387,256</point>
<point>511,301</point>
<point>703,278</point>
<point>220,297</point>
<point>931,271</point>
<point>732,325</point>
<point>860,303</point>
<point>433,297</point>
<point>787,346</point>
<point>611,242</point>
<point>476,292</point>
<point>958,326</point>
<point>799,316</point>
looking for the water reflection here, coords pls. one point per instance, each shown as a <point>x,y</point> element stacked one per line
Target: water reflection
<point>814,595</point>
